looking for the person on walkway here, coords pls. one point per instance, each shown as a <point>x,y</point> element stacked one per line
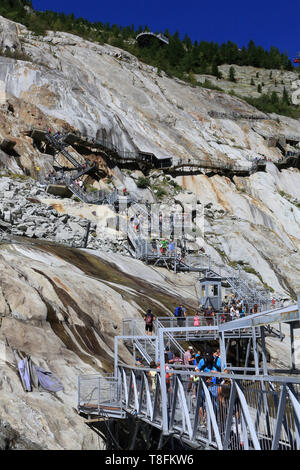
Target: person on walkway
<point>160,221</point>
<point>187,358</point>
<point>197,319</point>
<point>152,376</point>
<point>209,365</point>
<point>170,355</point>
<point>164,245</point>
<point>233,312</point>
<point>224,317</point>
<point>168,375</point>
<point>153,245</point>
<point>209,315</point>
<point>180,314</point>
<point>217,360</point>
<point>136,223</point>
<point>196,379</point>
<point>149,319</point>
<point>171,248</point>
<point>181,320</point>
<point>172,225</point>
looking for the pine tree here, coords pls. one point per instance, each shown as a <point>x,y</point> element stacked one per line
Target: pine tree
<point>259,88</point>
<point>285,97</point>
<point>274,98</point>
<point>231,75</point>
<point>215,70</point>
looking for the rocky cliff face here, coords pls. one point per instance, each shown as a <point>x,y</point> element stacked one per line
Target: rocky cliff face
<point>63,306</point>
<point>105,92</point>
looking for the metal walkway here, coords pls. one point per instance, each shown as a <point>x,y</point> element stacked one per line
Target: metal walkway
<point>179,168</point>
<point>150,249</point>
<point>236,409</point>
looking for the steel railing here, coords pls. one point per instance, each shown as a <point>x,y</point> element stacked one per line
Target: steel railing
<point>232,413</point>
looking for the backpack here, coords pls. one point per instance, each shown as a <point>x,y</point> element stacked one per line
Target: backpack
<point>148,319</point>
<point>216,364</point>
<point>178,312</point>
<point>207,359</point>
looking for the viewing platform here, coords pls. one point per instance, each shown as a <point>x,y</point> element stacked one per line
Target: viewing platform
<point>145,38</point>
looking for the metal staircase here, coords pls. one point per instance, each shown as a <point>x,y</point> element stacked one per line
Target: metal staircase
<point>84,170</point>
<point>252,294</point>
<point>60,146</point>
<point>134,332</point>
<point>146,345</point>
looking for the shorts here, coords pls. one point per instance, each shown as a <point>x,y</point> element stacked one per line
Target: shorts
<point>181,321</point>
<point>149,328</point>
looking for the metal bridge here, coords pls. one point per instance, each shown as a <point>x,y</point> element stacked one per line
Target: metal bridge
<point>146,36</point>
<point>238,408</point>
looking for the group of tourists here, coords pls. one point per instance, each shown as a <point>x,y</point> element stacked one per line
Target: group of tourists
<point>208,362</point>
<point>234,307</point>
<point>163,246</point>
<point>194,362</point>
<point>56,177</point>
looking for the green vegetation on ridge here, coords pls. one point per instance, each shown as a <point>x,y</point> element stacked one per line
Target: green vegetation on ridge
<point>181,58</point>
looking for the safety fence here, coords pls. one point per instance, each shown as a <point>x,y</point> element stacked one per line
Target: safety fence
<point>220,410</point>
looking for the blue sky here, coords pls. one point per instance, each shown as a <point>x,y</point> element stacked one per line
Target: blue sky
<point>266,22</point>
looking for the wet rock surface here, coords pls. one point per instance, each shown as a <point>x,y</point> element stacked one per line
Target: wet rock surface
<point>63,307</point>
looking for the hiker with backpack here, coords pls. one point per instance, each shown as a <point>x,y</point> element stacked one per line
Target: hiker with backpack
<point>211,363</point>
<point>149,319</point>
<point>180,314</point>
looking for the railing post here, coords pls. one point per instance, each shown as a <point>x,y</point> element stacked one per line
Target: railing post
<point>116,356</point>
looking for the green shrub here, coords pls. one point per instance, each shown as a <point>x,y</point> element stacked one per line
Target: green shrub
<point>274,104</point>
<point>143,182</point>
<point>17,55</point>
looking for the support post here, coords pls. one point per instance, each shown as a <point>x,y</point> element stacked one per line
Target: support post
<point>247,354</point>
<point>116,356</point>
<point>292,346</point>
<point>164,398</point>
<point>255,352</point>
<point>263,346</point>
<point>222,350</point>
